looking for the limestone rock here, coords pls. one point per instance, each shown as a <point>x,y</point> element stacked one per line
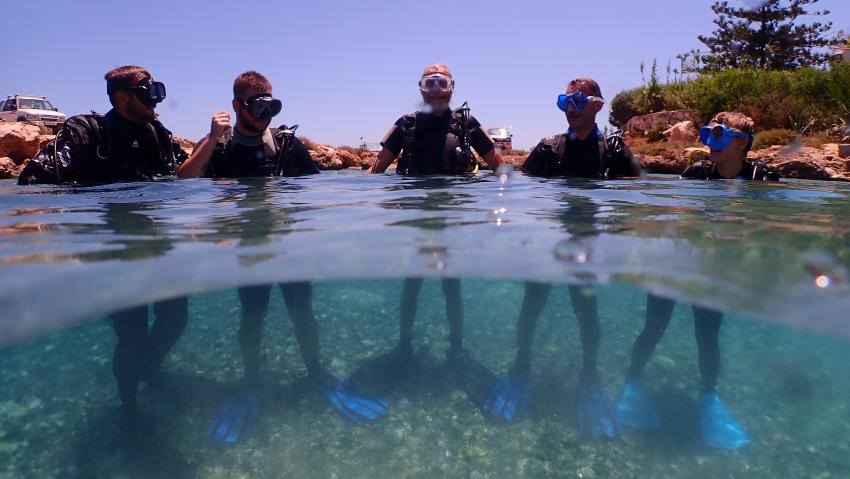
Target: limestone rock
<point>666,119</point>
<point>684,131</point>
<point>672,165</point>
<point>7,168</point>
<point>19,141</point>
<point>186,144</point>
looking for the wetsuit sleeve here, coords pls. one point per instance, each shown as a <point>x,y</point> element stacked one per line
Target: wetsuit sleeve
<point>79,149</point>
<point>535,163</point>
<point>394,139</point>
<point>306,165</point>
<point>478,138</point>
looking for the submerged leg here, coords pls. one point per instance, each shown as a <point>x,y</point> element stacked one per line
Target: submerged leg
<point>596,413</point>
<point>584,306</point>
<point>707,331</point>
<point>235,418</point>
<point>299,303</point>
<point>409,297</point>
<point>658,313</point>
<point>454,312</point>
<point>636,408</point>
<point>172,315</point>
<point>507,398</point>
<point>255,305</point>
<point>131,351</point>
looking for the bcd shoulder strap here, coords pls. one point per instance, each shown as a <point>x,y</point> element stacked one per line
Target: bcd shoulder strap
<point>406,164</point>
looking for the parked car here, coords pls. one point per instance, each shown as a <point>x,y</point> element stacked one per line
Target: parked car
<point>502,137</point>
<point>36,109</point>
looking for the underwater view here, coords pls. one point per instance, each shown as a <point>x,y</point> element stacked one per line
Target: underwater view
<point>342,326</point>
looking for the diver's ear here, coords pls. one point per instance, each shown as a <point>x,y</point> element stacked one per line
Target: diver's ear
<point>235,104</point>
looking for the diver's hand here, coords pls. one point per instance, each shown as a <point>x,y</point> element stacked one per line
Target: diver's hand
<point>220,124</point>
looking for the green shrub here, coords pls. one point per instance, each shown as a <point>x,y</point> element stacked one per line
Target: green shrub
<point>624,106</point>
<point>774,137</point>
<point>807,99</point>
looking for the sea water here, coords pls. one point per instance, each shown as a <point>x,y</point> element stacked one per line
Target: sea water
<point>772,257</point>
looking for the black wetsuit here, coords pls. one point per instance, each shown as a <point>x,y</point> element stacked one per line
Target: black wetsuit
<point>435,141</point>
<point>241,157</point>
<point>750,170</point>
<point>108,149</point>
<point>565,155</point>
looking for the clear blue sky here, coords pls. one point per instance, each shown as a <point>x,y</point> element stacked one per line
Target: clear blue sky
<point>349,69</point>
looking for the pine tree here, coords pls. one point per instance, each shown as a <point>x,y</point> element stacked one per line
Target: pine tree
<point>768,36</point>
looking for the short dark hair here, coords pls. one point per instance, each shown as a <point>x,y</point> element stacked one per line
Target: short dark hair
<point>589,83</point>
<point>124,78</point>
<point>250,80</point>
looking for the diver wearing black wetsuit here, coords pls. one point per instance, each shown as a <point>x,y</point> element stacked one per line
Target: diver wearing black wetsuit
<point>126,144</point>
<point>254,150</point>
<point>581,152</point>
<point>729,136</point>
<point>437,141</point>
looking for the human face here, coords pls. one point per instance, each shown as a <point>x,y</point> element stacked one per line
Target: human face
<point>727,144</point>
<point>244,120</point>
<point>582,120</point>
<point>431,87</point>
<point>131,107</point>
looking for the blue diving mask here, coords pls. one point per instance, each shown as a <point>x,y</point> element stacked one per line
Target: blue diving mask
<point>719,137</point>
<point>578,100</point>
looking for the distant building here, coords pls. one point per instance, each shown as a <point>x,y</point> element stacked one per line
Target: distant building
<point>502,137</point>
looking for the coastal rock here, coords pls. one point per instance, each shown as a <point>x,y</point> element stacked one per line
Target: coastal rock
<point>663,119</point>
<point>7,168</point>
<point>186,144</point>
<point>329,158</point>
<point>805,162</point>
<point>19,141</point>
<point>684,131</point>
<point>806,169</point>
<point>844,151</point>
<point>672,165</point>
<point>326,157</point>
<point>514,160</point>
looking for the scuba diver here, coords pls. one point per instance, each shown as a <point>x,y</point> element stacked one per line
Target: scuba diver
<point>434,141</point>
<point>581,152</point>
<point>128,143</point>
<point>255,150</point>
<point>729,136</point>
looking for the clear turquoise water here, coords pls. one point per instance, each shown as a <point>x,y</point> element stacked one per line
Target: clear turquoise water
<point>772,257</point>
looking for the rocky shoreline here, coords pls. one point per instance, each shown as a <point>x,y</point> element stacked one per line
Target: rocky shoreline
<point>20,141</point>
